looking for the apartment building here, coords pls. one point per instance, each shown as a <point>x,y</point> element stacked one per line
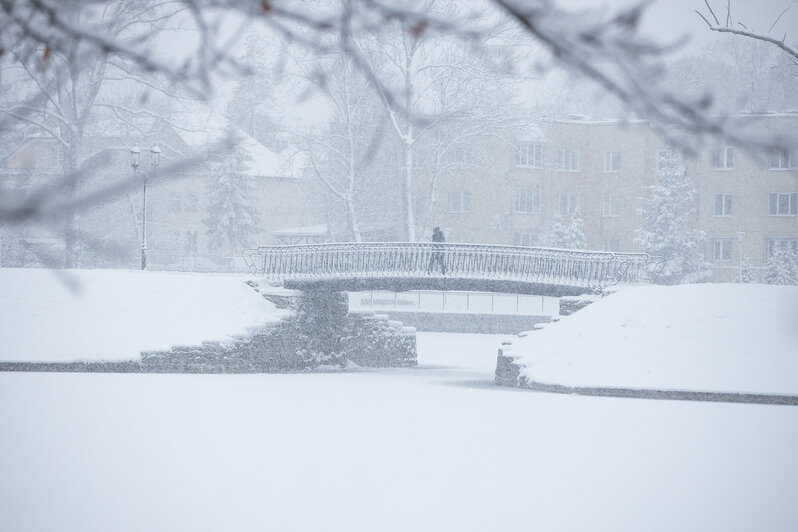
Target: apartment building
<point>744,205</point>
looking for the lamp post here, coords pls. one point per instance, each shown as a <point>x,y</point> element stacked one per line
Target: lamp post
<point>135,160</point>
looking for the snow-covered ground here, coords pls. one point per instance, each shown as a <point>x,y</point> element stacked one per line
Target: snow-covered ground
<point>428,449</point>
<point>438,447</point>
<point>713,337</point>
<point>115,314</point>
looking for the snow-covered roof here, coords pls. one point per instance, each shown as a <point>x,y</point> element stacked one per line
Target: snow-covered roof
<point>200,130</point>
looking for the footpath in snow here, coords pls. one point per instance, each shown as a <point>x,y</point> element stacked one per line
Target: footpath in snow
<point>705,337</point>
<point>85,315</point>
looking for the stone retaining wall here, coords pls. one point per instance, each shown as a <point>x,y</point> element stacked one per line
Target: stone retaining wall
<point>319,334</point>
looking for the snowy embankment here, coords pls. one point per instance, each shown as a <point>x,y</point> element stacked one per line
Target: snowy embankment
<point>115,314</point>
<point>707,337</point>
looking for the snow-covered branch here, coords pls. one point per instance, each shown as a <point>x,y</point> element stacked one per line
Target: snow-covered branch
<point>792,51</point>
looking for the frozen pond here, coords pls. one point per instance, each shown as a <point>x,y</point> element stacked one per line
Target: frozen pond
<point>432,448</point>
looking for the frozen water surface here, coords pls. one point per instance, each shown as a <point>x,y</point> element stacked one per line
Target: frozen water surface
<point>433,448</point>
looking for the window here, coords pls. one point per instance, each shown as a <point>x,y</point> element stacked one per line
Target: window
<point>612,244</point>
<point>568,160</point>
<point>666,159</point>
<point>723,158</point>
<point>721,249</point>
<point>530,155</point>
<point>524,239</point>
<point>527,200</point>
<point>567,204</point>
<point>174,204</point>
<point>783,160</point>
<point>458,201</point>
<point>612,161</point>
<point>609,205</point>
<point>783,204</point>
<point>723,204</point>
<point>785,243</point>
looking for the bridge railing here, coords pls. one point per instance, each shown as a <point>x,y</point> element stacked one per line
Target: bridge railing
<point>467,261</point>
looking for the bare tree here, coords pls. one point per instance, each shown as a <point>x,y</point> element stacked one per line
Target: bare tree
<point>439,81</point>
<point>605,47</point>
<point>341,153</point>
<point>62,87</point>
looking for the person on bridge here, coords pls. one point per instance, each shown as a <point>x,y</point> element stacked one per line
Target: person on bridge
<point>437,253</point>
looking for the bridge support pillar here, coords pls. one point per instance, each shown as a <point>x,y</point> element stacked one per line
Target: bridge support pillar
<point>331,336</point>
<point>322,320</point>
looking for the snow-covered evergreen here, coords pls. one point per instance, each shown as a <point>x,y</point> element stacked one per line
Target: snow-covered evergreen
<point>558,234</point>
<point>576,231</point>
<point>231,219</point>
<point>781,266</point>
<point>668,231</point>
<point>746,273</point>
<point>570,236</point>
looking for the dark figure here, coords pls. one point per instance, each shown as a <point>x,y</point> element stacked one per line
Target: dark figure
<point>437,252</point>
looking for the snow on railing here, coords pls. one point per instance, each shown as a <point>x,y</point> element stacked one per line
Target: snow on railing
<point>446,260</point>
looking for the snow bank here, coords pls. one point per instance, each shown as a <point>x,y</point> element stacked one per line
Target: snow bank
<point>116,314</point>
<point>731,338</point>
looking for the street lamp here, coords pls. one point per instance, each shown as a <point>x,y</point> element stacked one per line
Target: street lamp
<point>135,160</point>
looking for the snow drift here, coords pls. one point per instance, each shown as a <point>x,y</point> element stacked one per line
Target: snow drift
<point>48,316</point>
<point>705,337</point>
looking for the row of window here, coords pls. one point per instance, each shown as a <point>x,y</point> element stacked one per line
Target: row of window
<point>722,247</point>
<point>779,204</point>
<point>528,201</point>
<point>530,155</point>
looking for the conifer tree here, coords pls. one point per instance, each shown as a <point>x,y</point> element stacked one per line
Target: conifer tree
<point>576,231</point>
<point>570,236</point>
<point>781,266</point>
<point>231,219</point>
<point>558,235</point>
<point>746,273</point>
<point>668,231</point>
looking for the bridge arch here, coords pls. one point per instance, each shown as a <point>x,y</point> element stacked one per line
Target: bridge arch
<point>400,266</point>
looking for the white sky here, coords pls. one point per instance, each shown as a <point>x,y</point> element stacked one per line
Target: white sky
<point>666,21</point>
<point>669,20</point>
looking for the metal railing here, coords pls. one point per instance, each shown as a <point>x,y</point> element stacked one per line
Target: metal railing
<point>445,260</point>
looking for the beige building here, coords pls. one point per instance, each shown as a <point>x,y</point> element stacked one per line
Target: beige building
<point>603,168</point>
<point>177,204</point>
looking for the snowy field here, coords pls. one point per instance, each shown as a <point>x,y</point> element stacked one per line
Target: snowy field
<point>706,337</point>
<point>438,447</point>
<point>434,448</point>
<point>54,316</point>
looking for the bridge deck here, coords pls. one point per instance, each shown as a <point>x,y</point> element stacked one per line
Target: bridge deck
<point>443,266</point>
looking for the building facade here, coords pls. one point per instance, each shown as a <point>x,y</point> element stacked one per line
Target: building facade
<point>744,205</point>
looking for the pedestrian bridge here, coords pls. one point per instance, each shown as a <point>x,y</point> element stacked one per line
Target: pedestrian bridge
<point>400,266</point>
